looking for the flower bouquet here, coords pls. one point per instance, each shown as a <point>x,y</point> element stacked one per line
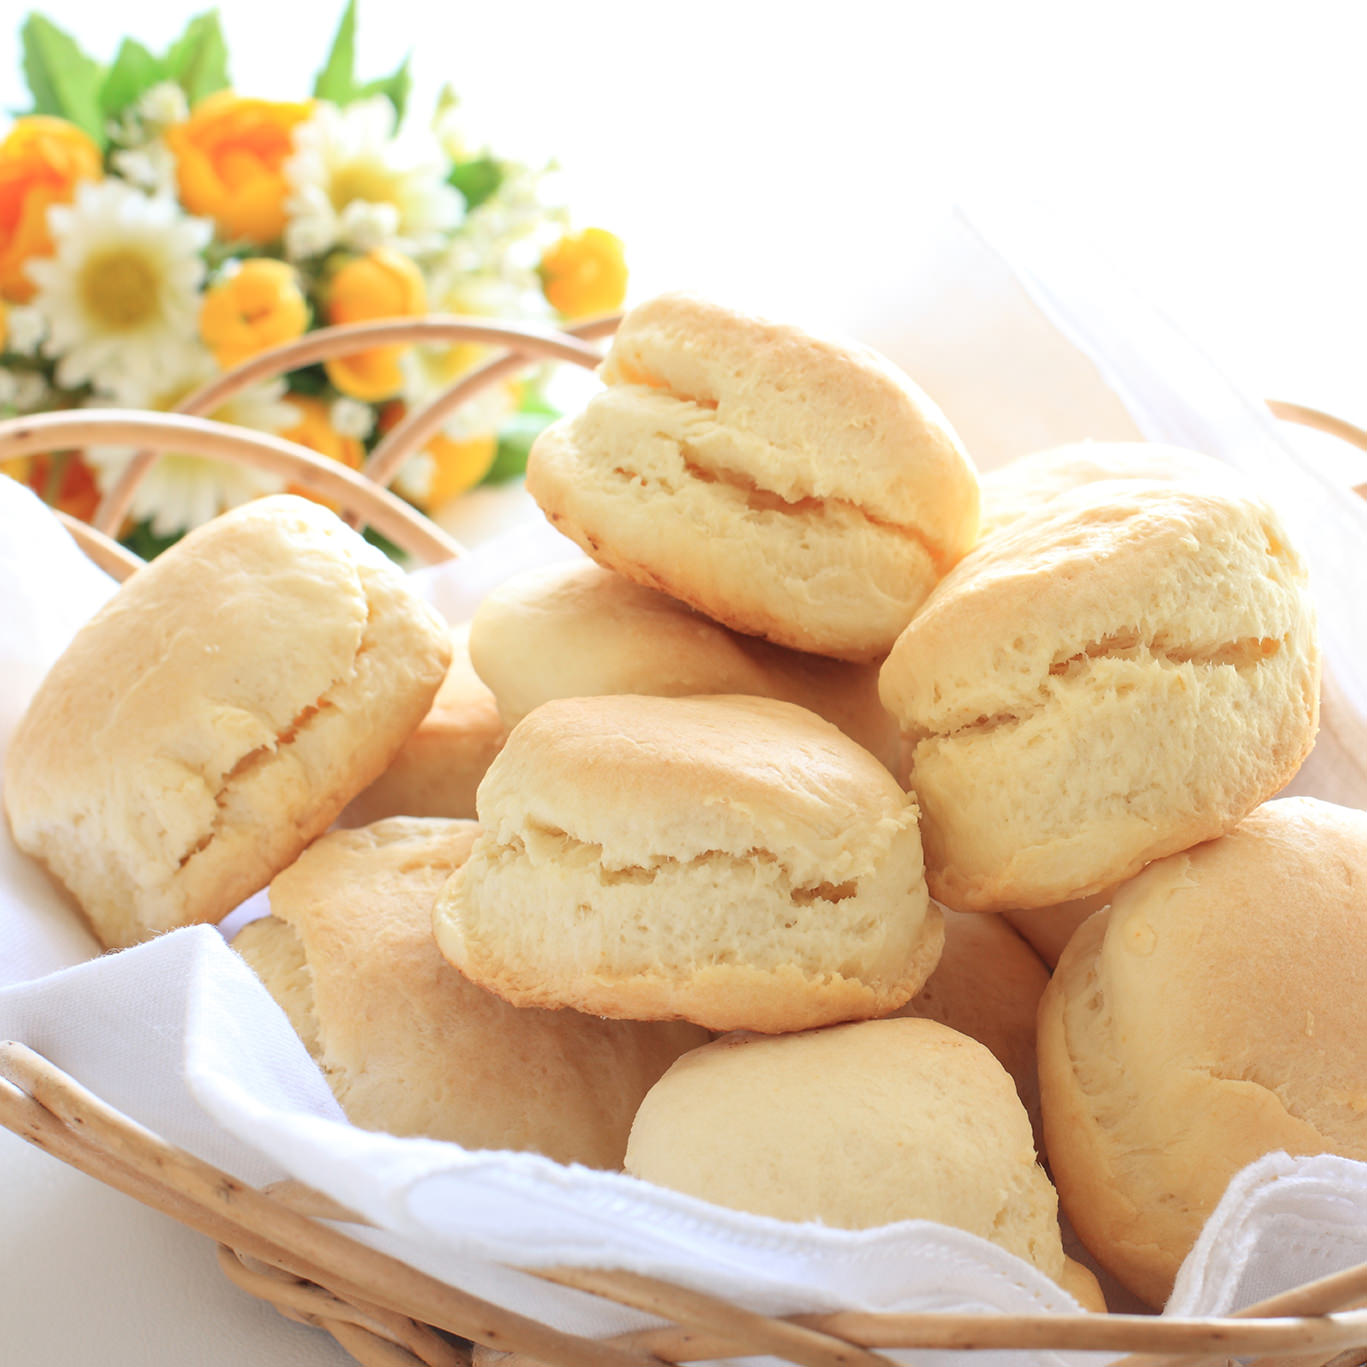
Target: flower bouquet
<point>158,229</point>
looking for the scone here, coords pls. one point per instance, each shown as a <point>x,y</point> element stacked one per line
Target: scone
<point>736,862</point>
<point>217,714</point>
<point>987,986</point>
<point>1027,485</point>
<point>438,768</point>
<point>857,1126</point>
<point>407,1044</point>
<point>1213,1014</point>
<point>789,487</point>
<point>577,630</point>
<point>1109,681</point>
<point>1048,929</point>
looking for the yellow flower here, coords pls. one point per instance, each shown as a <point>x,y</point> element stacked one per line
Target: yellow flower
<point>42,160</point>
<point>315,430</point>
<point>257,307</point>
<point>447,466</point>
<point>230,158</point>
<point>382,284</point>
<point>458,465</point>
<point>585,273</point>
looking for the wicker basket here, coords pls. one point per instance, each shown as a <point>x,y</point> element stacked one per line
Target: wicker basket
<point>274,1243</point>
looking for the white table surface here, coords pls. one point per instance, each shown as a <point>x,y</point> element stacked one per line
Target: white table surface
<point>778,154</point>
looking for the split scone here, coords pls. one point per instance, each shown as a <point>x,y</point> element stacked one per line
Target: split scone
<point>411,1047</point>
<point>857,1126</point>
<point>789,487</point>
<point>1116,678</point>
<point>438,768</point>
<point>736,862</point>
<point>577,630</point>
<point>217,714</point>
<point>1214,1013</point>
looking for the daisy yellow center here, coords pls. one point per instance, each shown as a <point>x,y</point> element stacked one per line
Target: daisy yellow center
<point>365,180</point>
<point>119,288</point>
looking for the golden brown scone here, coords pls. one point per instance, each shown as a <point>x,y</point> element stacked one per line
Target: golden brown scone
<point>1027,485</point>
<point>1102,684</point>
<point>577,630</point>
<point>217,714</point>
<point>987,986</point>
<point>411,1047</point>
<point>1213,1014</point>
<point>857,1126</point>
<point>789,487</point>
<point>440,765</point>
<point>1048,929</point>
<point>736,862</point>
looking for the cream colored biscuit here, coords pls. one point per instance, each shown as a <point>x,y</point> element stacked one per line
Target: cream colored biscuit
<point>1100,685</point>
<point>217,714</point>
<point>438,768</point>
<point>1048,929</point>
<point>736,862</point>
<point>1213,1014</point>
<point>857,1126</point>
<point>789,487</point>
<point>987,986</point>
<point>411,1047</point>
<point>1027,485</point>
<point>577,630</point>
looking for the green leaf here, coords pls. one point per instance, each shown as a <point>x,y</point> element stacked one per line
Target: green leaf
<point>515,440</point>
<point>64,81</point>
<point>144,542</point>
<point>337,80</point>
<point>198,60</point>
<point>394,88</point>
<point>476,179</point>
<point>134,73</point>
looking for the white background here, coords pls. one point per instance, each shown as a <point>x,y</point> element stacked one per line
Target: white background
<point>783,153</point>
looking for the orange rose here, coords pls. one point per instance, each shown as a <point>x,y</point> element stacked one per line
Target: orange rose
<point>315,430</point>
<point>585,273</point>
<point>230,160</point>
<point>381,284</point>
<point>42,160</point>
<point>457,464</point>
<point>257,307</point>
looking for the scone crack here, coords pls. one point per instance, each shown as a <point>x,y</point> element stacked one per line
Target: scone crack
<point>688,431</point>
<point>836,513</point>
<point>1246,654</point>
<point>543,843</point>
<point>253,759</point>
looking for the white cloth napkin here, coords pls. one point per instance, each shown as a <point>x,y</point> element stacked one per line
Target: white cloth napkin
<point>181,1036</point>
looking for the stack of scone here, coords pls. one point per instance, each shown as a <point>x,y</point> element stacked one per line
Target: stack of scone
<point>786,757</point>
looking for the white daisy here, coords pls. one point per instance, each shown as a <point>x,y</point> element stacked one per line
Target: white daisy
<point>182,490</point>
<point>354,184</point>
<point>150,166</point>
<point>25,329</point>
<point>31,391</point>
<point>120,295</point>
<point>351,418</point>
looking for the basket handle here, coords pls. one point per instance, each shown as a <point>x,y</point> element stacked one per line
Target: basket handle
<point>524,343</point>
<point>402,523</point>
<point>1322,422</point>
